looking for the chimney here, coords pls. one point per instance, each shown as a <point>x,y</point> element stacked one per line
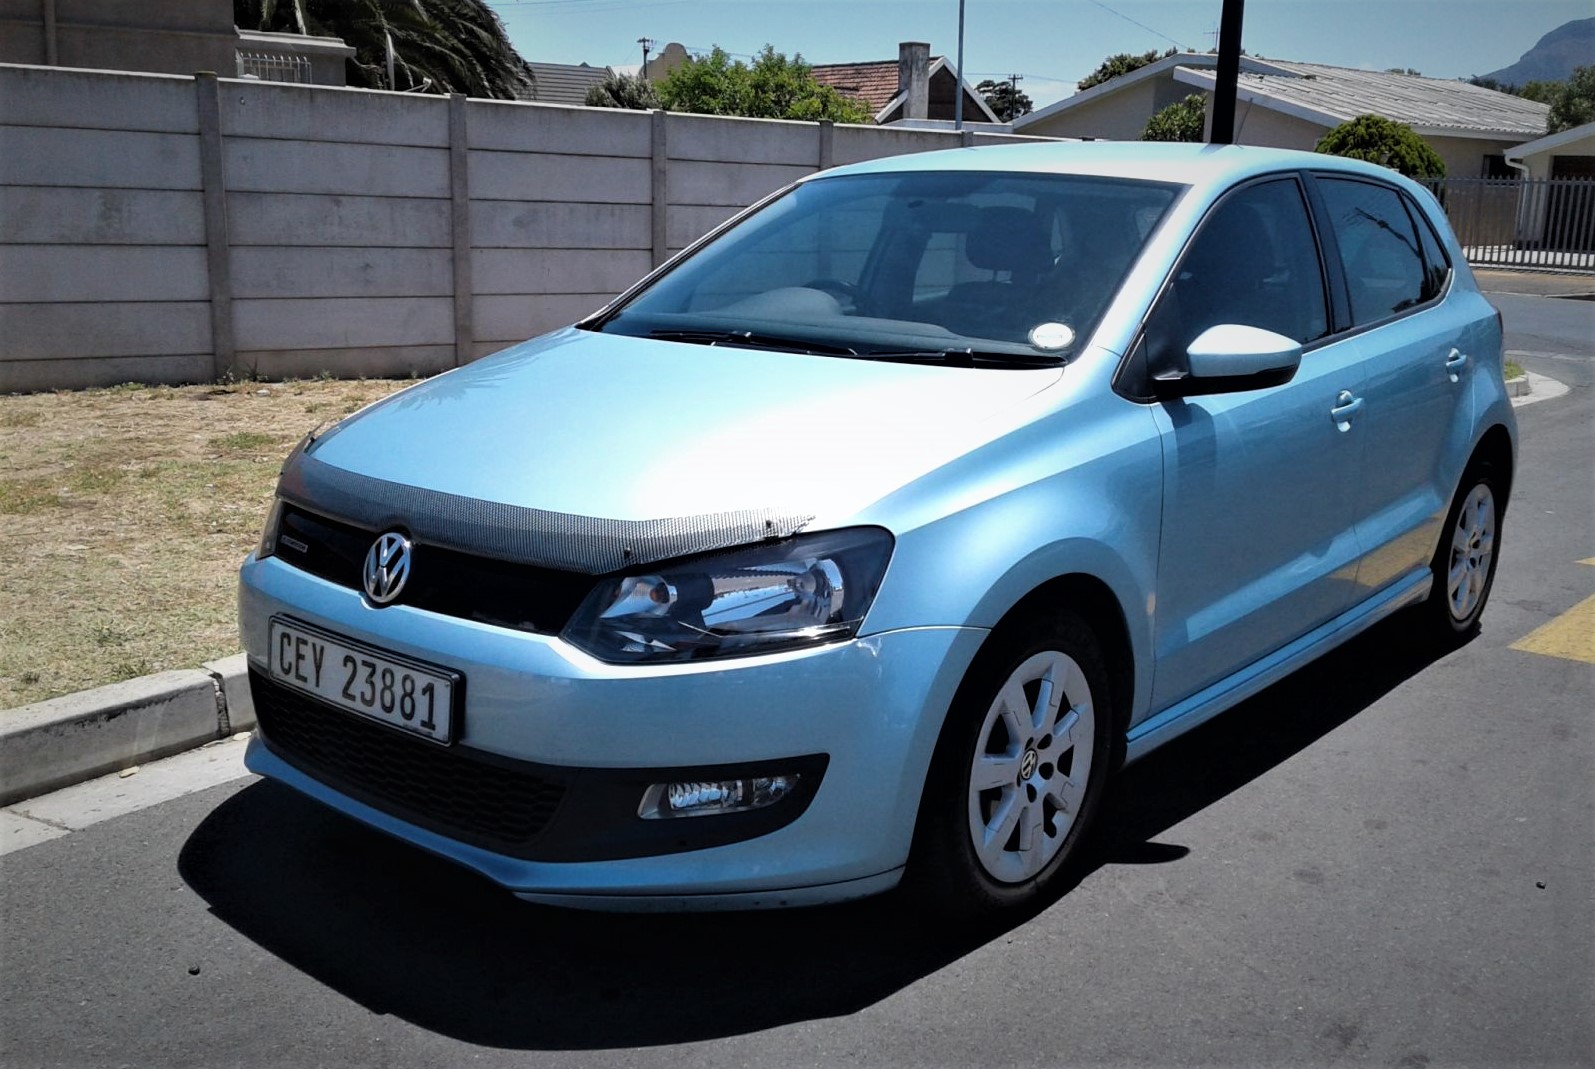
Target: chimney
<point>913,78</point>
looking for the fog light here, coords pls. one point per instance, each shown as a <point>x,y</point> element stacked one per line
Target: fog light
<point>700,799</point>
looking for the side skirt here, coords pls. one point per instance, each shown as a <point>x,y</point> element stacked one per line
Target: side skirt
<point>1202,706</point>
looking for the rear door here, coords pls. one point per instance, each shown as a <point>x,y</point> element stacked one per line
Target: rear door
<point>1414,347</point>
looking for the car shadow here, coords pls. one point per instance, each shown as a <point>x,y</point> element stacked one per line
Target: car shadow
<point>403,933</point>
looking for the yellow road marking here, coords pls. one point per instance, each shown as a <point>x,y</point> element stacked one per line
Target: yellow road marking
<point>1570,636</point>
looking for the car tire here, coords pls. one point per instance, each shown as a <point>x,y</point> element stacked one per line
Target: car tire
<point>1019,770</point>
<point>1464,562</point>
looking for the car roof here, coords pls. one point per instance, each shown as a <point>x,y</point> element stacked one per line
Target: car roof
<point>1184,163</point>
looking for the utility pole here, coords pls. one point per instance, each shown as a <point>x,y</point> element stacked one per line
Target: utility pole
<point>1229,73</point>
<point>958,92</point>
<point>647,43</point>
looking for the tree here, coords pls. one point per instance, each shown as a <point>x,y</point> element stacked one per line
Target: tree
<point>1380,140</point>
<point>1005,99</point>
<point>1181,121</point>
<point>1540,92</point>
<point>1121,63</point>
<point>1575,104</point>
<point>774,87</point>
<point>435,46</point>
<point>623,91</point>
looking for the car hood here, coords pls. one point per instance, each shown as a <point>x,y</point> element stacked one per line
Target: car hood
<point>623,428</point>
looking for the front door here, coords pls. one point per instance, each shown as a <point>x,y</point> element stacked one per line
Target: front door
<point>1259,541</point>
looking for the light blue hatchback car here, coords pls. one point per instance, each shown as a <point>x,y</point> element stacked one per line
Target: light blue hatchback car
<point>864,541</point>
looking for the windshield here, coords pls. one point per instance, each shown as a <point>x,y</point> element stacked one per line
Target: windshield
<point>917,265</point>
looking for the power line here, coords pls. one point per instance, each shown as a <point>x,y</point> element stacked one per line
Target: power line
<point>1143,25</point>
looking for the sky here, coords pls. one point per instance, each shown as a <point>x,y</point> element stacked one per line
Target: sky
<point>1051,43</point>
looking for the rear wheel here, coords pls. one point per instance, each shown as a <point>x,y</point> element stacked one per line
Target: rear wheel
<point>1464,563</point>
<point>1019,769</point>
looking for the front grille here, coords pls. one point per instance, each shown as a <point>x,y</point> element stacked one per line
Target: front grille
<point>525,597</point>
<point>491,802</point>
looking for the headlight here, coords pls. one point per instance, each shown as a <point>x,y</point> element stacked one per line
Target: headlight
<point>798,592</point>
<point>268,534</point>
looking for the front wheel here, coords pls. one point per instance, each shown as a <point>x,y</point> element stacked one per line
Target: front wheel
<point>1464,563</point>
<point>1018,772</point>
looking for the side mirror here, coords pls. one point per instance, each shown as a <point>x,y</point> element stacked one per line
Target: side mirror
<point>1228,358</point>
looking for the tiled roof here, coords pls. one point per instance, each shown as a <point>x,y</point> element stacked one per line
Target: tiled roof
<point>564,83</point>
<point>1341,93</point>
<point>873,83</point>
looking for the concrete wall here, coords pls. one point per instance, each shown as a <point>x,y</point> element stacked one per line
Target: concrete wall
<point>170,229</point>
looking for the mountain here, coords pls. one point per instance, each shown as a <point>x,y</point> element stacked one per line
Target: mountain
<point>1570,45</point>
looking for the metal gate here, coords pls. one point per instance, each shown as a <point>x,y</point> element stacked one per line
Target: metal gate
<point>1522,222</point>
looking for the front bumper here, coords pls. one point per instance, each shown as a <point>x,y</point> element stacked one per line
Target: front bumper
<point>861,716</point>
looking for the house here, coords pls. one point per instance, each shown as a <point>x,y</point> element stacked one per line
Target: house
<point>1291,105</point>
<point>562,83</point>
<point>1556,209</point>
<point>915,86</point>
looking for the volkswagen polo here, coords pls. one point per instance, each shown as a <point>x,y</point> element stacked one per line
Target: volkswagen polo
<point>863,542</point>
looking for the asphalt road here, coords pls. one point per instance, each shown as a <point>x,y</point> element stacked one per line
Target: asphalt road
<point>1553,336</point>
<point>1387,859</point>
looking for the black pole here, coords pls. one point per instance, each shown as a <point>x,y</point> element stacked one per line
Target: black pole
<point>1229,73</point>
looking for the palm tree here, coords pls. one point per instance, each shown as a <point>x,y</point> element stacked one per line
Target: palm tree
<point>431,46</point>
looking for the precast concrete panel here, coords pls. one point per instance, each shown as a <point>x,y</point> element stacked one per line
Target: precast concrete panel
<point>78,216</point>
<point>264,165</point>
<point>73,273</point>
<point>277,110</point>
<point>728,184</point>
<point>506,224</point>
<point>365,361</point>
<point>97,100</point>
<point>270,272</point>
<point>505,271</point>
<point>686,223</point>
<point>720,139</point>
<point>112,159</point>
<point>70,331</point>
<point>342,322</point>
<point>319,220</point>
<point>507,320</point>
<point>82,373</point>
<point>514,127</point>
<point>530,176</point>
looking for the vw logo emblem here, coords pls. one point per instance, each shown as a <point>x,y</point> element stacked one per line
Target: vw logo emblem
<point>387,567</point>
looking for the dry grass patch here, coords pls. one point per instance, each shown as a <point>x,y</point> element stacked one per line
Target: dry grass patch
<point>124,514</point>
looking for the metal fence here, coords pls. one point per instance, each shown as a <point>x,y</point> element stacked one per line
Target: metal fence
<point>1523,222</point>
<point>274,67</point>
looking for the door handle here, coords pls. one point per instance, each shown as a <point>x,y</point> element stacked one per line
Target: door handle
<point>1346,405</point>
<point>1455,361</point>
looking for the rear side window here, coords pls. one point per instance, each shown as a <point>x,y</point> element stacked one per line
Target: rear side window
<point>1380,249</point>
<point>1436,267</point>
<point>1254,262</point>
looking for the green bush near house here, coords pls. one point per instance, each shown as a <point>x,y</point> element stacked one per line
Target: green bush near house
<point>1386,142</point>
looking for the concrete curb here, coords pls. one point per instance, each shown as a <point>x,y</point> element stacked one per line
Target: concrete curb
<point>63,741</point>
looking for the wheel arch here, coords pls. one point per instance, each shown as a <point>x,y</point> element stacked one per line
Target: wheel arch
<point>1094,601</point>
<point>1495,447</point>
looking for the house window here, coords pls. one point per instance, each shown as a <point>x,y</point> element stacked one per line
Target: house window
<point>1495,167</point>
<point>1573,166</point>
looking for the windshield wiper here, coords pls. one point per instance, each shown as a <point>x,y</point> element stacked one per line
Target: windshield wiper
<point>747,339</point>
<point>966,357</point>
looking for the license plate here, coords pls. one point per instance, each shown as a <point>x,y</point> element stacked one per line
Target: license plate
<point>407,694</point>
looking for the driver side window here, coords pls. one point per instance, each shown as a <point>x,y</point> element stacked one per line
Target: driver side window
<point>1253,262</point>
